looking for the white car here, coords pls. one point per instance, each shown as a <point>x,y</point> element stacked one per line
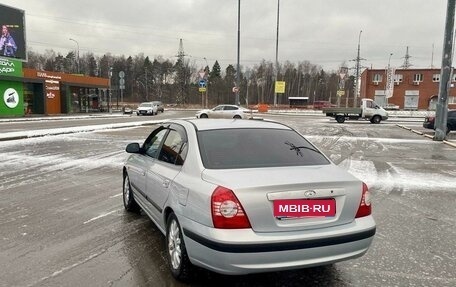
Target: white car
<point>225,111</point>
<point>147,108</point>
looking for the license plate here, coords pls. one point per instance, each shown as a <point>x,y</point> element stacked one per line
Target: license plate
<point>304,208</point>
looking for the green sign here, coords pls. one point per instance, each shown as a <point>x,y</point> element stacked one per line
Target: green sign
<point>11,98</point>
<point>12,68</point>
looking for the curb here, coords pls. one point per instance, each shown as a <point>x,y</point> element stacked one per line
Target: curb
<point>426,135</point>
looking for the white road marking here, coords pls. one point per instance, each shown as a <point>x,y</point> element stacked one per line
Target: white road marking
<point>102,215</point>
<point>117,195</point>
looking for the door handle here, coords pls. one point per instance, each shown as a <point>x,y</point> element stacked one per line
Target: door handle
<point>166,183</point>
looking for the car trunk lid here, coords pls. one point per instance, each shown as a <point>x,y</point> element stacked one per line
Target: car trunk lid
<point>258,188</point>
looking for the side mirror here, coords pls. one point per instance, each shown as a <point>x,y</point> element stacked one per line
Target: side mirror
<point>133,148</point>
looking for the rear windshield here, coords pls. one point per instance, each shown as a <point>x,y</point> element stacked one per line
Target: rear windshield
<point>252,148</point>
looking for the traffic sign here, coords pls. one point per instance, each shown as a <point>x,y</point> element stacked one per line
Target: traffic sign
<point>280,87</point>
<point>235,89</point>
<point>202,83</point>
<point>122,81</point>
<point>202,90</point>
<point>202,74</point>
<point>122,87</point>
<point>121,74</point>
<point>340,93</point>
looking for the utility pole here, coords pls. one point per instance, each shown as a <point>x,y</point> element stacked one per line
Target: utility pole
<point>441,112</point>
<point>238,69</point>
<point>358,71</point>
<point>277,53</point>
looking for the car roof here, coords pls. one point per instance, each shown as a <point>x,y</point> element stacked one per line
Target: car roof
<point>227,105</point>
<point>214,124</point>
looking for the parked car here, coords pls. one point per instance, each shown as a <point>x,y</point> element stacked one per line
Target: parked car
<point>429,122</point>
<point>127,110</point>
<point>239,197</point>
<point>391,107</point>
<point>147,108</point>
<point>225,111</point>
<point>159,105</point>
<point>318,105</point>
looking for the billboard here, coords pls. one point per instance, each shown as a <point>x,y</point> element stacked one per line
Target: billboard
<point>12,38</point>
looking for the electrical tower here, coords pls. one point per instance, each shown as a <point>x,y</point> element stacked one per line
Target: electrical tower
<point>407,57</point>
<point>180,53</point>
<point>182,74</point>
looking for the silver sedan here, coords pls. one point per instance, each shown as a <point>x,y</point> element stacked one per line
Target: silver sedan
<point>225,111</point>
<point>245,196</point>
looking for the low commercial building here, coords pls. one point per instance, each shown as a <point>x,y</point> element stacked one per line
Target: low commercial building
<point>414,89</point>
<point>28,91</point>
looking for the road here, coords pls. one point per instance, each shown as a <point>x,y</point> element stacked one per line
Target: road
<point>62,221</point>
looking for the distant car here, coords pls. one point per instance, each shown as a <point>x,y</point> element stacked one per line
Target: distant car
<point>147,108</point>
<point>239,197</point>
<point>225,111</point>
<point>127,110</point>
<point>319,105</point>
<point>429,122</point>
<point>391,107</point>
<point>159,105</point>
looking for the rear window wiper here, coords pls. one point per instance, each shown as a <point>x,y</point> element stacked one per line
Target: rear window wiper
<point>298,148</point>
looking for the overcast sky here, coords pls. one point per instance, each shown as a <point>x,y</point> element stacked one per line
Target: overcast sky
<point>324,32</point>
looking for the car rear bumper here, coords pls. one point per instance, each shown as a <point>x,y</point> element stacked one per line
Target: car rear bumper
<point>244,251</point>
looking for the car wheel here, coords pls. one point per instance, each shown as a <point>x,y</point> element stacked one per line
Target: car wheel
<point>237,117</point>
<point>340,119</point>
<point>376,119</point>
<point>203,116</point>
<point>178,260</point>
<point>128,199</point>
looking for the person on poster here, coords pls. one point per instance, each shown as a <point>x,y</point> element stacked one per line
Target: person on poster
<point>8,46</point>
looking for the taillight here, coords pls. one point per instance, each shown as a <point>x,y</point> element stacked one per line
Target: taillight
<point>365,207</point>
<point>227,211</point>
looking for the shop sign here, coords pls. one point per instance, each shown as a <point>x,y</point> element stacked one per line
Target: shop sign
<point>10,68</point>
<point>11,98</point>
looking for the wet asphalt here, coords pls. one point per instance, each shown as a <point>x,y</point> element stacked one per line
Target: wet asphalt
<point>62,221</point>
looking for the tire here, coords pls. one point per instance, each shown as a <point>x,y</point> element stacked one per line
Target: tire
<point>129,201</point>
<point>340,119</point>
<point>178,261</point>
<point>203,116</point>
<point>448,130</point>
<point>237,117</point>
<point>376,119</point>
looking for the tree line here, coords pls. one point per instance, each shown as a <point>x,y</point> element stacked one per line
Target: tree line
<point>176,81</point>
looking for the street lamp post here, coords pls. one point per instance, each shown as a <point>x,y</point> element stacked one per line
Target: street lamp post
<point>77,55</point>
